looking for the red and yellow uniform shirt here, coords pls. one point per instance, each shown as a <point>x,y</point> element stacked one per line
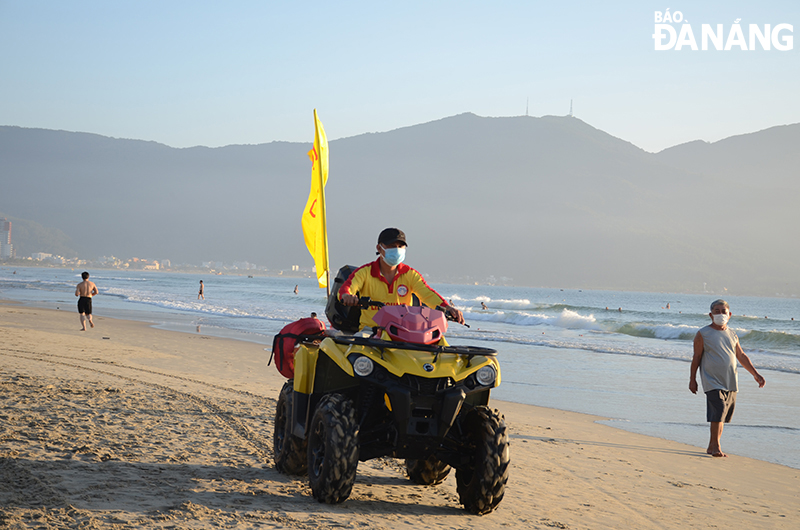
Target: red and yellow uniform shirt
<point>367,280</point>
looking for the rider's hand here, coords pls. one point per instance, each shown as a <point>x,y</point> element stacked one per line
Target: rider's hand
<point>349,299</point>
<point>455,314</point>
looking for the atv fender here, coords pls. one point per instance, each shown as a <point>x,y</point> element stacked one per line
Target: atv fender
<point>305,363</point>
<point>305,367</point>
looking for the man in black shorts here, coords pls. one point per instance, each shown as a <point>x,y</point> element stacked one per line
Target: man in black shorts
<point>85,290</point>
<point>716,351</point>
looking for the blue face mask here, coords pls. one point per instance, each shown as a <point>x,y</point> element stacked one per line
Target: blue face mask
<point>394,256</point>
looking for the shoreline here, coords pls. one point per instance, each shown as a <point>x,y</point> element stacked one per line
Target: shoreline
<point>129,424</point>
<point>295,275</point>
<point>186,327</point>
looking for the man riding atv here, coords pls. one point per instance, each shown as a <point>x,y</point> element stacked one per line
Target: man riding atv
<point>390,281</point>
<point>398,390</point>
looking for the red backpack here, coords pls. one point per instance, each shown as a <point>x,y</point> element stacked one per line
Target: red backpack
<point>283,345</point>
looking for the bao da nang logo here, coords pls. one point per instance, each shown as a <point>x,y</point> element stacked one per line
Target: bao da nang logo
<point>668,36</point>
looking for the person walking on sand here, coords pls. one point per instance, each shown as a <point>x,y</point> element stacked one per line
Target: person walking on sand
<point>200,295</point>
<point>716,350</point>
<point>85,291</point>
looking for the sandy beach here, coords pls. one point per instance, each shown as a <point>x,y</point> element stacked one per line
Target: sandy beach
<point>127,426</point>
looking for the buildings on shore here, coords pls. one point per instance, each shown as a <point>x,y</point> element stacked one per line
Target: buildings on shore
<point>6,248</point>
<point>8,254</point>
<point>43,259</point>
<point>106,262</point>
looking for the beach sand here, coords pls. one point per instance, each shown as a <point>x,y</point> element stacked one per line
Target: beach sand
<point>127,426</point>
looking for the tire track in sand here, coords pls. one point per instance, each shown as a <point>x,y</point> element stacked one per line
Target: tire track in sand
<point>262,448</point>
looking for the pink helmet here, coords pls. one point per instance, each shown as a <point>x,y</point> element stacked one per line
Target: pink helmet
<point>418,325</point>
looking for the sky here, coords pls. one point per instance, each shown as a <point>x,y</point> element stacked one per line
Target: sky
<point>187,73</point>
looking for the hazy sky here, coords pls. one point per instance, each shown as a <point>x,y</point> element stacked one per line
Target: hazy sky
<point>188,73</point>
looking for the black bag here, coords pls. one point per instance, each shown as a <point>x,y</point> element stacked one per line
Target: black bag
<point>340,316</point>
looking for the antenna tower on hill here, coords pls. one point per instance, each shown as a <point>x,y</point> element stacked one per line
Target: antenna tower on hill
<point>526,105</point>
<point>570,108</point>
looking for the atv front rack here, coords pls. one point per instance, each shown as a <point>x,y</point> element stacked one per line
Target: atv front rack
<point>469,351</point>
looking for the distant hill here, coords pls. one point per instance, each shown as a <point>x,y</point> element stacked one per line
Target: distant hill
<point>764,159</point>
<point>29,237</point>
<point>545,201</point>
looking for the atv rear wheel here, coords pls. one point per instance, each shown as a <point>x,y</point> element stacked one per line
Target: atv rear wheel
<point>482,484</point>
<point>333,449</point>
<point>290,451</point>
<point>427,472</point>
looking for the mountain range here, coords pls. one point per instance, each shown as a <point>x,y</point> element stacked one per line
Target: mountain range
<point>548,201</point>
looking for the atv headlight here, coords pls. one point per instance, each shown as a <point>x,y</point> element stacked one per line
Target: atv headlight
<point>486,375</point>
<point>363,366</point>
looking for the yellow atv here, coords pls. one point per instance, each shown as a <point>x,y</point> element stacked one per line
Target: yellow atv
<point>399,391</point>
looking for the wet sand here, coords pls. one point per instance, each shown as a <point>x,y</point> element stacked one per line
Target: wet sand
<point>126,426</point>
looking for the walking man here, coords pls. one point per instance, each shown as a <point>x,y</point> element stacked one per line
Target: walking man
<point>716,351</point>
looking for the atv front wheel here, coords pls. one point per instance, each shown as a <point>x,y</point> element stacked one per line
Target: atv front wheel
<point>427,472</point>
<point>290,451</point>
<point>482,484</point>
<point>333,449</point>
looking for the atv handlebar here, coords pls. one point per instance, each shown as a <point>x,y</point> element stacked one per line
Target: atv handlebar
<point>447,314</point>
<point>365,302</point>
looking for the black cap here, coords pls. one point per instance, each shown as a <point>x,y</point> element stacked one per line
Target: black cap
<point>390,235</point>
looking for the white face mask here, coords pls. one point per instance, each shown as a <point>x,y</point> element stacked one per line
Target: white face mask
<point>721,319</point>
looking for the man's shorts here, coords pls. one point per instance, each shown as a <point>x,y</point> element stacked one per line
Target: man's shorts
<point>85,305</point>
<point>720,405</point>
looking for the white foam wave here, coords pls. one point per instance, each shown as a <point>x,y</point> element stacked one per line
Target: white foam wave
<point>120,279</point>
<point>572,320</point>
<point>202,307</point>
<point>567,319</point>
<point>492,303</point>
<point>670,331</point>
<point>658,331</point>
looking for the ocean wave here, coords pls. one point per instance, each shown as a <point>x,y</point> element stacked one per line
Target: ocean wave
<point>657,331</point>
<point>494,303</point>
<point>567,319</point>
<point>607,345</point>
<point>770,340</point>
<point>44,283</point>
<point>203,307</point>
<point>119,279</point>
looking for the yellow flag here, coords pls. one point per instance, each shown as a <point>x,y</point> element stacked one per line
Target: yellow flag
<point>314,225</point>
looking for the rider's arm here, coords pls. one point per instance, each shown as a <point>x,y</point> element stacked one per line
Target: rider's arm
<point>431,298</point>
<point>424,292</point>
<point>353,285</point>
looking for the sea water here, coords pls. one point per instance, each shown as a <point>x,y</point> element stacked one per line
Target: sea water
<point>623,356</point>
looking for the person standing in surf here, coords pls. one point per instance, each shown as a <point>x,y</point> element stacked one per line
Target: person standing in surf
<point>716,352</point>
